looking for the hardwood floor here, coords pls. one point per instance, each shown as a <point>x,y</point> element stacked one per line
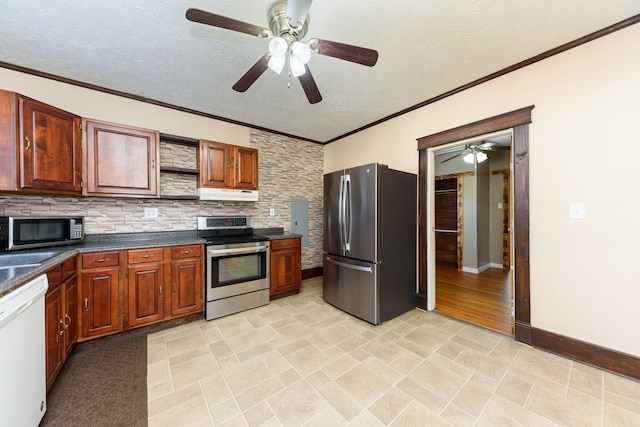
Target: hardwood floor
<point>483,299</point>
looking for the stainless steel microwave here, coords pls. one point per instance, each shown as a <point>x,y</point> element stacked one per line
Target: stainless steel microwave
<point>35,232</point>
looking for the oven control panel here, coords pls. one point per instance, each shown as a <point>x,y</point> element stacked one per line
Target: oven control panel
<point>224,222</point>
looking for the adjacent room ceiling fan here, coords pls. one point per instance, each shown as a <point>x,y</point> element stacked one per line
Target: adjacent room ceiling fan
<point>288,24</point>
<point>476,152</point>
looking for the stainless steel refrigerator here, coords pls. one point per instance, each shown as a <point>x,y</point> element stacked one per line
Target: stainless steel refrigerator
<point>369,260</point>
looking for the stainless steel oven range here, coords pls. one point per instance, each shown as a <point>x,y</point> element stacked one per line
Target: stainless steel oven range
<point>237,269</point>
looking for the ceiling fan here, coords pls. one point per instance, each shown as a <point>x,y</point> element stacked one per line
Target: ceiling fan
<point>476,152</point>
<point>288,24</point>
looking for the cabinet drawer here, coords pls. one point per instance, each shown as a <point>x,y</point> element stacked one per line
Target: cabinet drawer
<point>100,259</point>
<point>138,256</point>
<point>190,251</point>
<point>285,243</point>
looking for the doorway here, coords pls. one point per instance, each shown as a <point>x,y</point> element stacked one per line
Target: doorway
<point>471,223</point>
<point>518,121</point>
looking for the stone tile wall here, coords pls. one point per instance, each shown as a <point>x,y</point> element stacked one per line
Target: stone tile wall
<point>288,168</point>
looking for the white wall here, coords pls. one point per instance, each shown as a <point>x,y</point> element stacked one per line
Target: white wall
<point>584,146</point>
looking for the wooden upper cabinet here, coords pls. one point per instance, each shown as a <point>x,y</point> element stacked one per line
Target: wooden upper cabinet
<point>120,160</point>
<point>227,166</point>
<point>40,147</point>
<point>246,172</point>
<point>215,160</point>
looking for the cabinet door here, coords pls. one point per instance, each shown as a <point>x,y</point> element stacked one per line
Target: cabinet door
<point>70,317</point>
<point>121,161</point>
<point>286,273</point>
<point>50,148</point>
<point>145,294</point>
<point>187,289</point>
<point>53,332</point>
<point>246,163</point>
<point>216,164</point>
<point>100,309</point>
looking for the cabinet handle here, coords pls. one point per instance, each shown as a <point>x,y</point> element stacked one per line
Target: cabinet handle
<point>160,290</point>
<point>145,256</point>
<point>64,326</point>
<point>174,288</point>
<point>101,260</point>
<point>86,304</point>
<point>185,252</point>
<point>66,316</point>
<point>28,143</point>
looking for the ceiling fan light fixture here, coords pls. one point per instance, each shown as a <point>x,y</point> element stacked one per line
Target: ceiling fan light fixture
<point>301,51</point>
<point>481,157</point>
<point>468,158</point>
<point>278,47</point>
<point>276,63</point>
<point>297,66</point>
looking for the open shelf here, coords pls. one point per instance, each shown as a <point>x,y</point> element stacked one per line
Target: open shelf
<point>176,197</point>
<point>180,140</point>
<point>171,169</point>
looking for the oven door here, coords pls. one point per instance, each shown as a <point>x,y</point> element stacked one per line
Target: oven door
<point>237,269</point>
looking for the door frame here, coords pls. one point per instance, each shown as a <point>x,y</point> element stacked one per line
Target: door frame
<point>518,121</point>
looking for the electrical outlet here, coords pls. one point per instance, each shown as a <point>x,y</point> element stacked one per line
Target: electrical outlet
<point>272,212</point>
<point>151,212</point>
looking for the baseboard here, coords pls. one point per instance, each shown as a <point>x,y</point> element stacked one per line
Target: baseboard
<point>571,348</point>
<point>477,270</point>
<point>310,273</point>
<point>496,265</point>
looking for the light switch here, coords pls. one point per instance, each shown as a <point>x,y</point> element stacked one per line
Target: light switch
<point>576,211</point>
<point>272,212</point>
<point>500,205</point>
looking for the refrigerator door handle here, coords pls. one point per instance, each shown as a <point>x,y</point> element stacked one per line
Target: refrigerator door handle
<point>352,267</point>
<point>341,213</point>
<point>347,212</point>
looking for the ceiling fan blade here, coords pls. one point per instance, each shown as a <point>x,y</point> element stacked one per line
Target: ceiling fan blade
<point>252,75</point>
<point>297,11</point>
<point>208,18</point>
<point>451,158</point>
<point>310,87</point>
<point>497,148</point>
<point>347,52</point>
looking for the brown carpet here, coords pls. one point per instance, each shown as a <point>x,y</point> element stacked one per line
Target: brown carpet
<point>103,383</point>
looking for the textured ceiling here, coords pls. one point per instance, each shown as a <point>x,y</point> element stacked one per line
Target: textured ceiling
<point>426,47</point>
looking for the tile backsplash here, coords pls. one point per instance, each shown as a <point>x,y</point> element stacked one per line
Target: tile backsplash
<point>288,169</point>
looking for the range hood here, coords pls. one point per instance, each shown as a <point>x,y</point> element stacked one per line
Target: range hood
<point>227,194</point>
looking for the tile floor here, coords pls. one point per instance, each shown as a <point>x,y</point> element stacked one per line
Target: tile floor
<point>301,362</point>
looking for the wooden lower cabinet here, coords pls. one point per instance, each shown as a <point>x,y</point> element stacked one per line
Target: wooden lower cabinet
<point>101,294</point>
<point>53,315</point>
<point>187,288</point>
<point>187,276</point>
<point>60,316</point>
<point>144,290</point>
<point>285,273</point>
<point>139,287</point>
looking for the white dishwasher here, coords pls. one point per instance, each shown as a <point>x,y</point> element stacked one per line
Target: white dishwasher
<point>23,388</point>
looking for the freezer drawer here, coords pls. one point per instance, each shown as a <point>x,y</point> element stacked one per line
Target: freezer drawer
<point>352,286</point>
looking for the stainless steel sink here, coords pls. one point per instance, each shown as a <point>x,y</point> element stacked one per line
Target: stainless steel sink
<point>27,259</point>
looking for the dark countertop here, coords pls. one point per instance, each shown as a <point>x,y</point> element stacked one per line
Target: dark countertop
<point>14,277</point>
<point>275,233</point>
